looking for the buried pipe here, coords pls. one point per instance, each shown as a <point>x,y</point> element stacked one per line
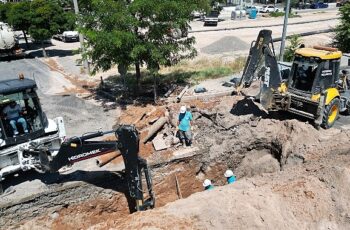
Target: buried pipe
<point>102,163</point>
<point>182,93</point>
<point>155,128</point>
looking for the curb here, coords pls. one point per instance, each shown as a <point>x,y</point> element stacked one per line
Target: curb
<point>262,26</point>
<point>54,68</point>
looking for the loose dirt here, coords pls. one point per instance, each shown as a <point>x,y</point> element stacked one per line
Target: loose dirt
<point>290,176</point>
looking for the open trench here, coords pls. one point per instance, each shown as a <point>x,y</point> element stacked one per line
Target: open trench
<point>236,143</point>
<point>249,144</point>
<point>104,199</point>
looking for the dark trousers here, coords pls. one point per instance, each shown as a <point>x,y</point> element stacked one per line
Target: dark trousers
<point>185,136</point>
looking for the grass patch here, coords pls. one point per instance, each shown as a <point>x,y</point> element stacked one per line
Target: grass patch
<point>281,14</point>
<point>186,72</point>
<point>202,69</point>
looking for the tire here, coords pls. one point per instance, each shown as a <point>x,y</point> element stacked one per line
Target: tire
<point>331,113</point>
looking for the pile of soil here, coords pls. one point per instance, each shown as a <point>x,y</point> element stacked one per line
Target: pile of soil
<point>290,175</point>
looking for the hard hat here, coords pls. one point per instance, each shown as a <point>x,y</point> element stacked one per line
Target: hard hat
<point>228,173</point>
<point>183,109</point>
<point>206,183</point>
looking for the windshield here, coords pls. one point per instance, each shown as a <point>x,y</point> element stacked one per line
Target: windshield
<point>303,73</point>
<point>20,113</point>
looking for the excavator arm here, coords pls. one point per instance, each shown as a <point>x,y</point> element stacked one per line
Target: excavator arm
<point>262,57</point>
<point>82,148</point>
<point>261,49</point>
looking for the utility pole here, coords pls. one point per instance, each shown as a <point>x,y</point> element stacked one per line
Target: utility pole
<point>81,38</point>
<point>284,33</point>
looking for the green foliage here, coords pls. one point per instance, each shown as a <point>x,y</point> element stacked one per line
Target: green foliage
<point>126,32</point>
<point>4,9</point>
<point>342,31</point>
<point>69,22</point>
<point>281,14</point>
<point>46,19</point>
<point>19,16</point>
<point>138,32</point>
<point>294,43</point>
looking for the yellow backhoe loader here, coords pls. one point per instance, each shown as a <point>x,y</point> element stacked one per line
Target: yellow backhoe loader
<point>313,86</point>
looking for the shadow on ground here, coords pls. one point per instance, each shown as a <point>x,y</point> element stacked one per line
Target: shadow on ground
<point>115,89</point>
<point>51,53</point>
<point>247,106</point>
<point>103,179</point>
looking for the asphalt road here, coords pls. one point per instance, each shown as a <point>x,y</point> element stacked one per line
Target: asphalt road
<point>80,116</point>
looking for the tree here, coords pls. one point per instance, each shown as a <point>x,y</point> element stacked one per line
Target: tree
<point>4,9</point>
<point>139,32</point>
<point>294,43</point>
<point>46,20</point>
<point>19,17</point>
<point>342,31</point>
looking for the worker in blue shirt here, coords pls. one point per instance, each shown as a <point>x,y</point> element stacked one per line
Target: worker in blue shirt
<point>230,177</point>
<point>208,185</point>
<point>184,126</point>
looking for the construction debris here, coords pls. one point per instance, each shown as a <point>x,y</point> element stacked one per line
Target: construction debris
<point>200,89</point>
<point>159,143</point>
<point>170,91</point>
<point>182,93</point>
<point>155,128</point>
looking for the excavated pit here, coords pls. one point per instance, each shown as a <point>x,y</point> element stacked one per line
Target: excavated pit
<point>252,145</point>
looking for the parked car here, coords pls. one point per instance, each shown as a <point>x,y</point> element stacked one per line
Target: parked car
<point>70,36</point>
<point>67,36</point>
<point>248,8</point>
<point>227,12</point>
<point>269,9</point>
<point>318,5</point>
<point>197,14</point>
<point>212,18</point>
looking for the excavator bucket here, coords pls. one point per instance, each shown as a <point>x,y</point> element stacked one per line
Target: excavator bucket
<point>271,78</point>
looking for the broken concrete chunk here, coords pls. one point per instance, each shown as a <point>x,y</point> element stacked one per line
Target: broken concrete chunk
<point>159,143</point>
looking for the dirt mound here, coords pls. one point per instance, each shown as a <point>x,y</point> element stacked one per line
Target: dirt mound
<point>309,196</point>
<point>290,175</point>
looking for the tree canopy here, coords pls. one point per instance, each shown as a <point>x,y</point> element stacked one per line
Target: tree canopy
<point>19,17</point>
<point>140,32</point>
<point>46,19</point>
<point>4,9</point>
<point>342,31</point>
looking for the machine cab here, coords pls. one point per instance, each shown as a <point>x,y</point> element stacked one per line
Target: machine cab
<point>19,103</point>
<point>314,70</point>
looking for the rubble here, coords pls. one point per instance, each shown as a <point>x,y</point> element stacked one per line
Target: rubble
<point>159,143</point>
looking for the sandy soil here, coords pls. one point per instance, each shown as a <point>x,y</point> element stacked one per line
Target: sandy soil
<point>290,175</point>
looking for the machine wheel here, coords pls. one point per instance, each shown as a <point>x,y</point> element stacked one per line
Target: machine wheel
<point>331,113</point>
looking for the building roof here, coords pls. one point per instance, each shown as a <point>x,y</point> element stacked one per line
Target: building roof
<point>16,85</point>
<point>322,54</point>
